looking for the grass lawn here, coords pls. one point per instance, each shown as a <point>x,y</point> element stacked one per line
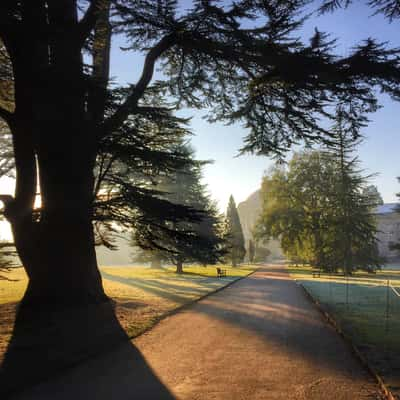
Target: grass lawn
<point>142,295</point>
<point>366,309</point>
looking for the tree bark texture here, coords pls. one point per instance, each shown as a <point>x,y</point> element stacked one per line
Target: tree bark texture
<point>179,267</point>
<point>55,149</point>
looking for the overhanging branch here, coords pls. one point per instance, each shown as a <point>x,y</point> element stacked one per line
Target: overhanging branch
<point>120,115</point>
<point>6,115</point>
<point>88,21</point>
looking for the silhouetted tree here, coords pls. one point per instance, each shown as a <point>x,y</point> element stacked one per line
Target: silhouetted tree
<point>251,250</point>
<point>372,192</point>
<point>389,8</point>
<point>131,167</point>
<point>196,240</point>
<point>235,58</point>
<point>234,234</point>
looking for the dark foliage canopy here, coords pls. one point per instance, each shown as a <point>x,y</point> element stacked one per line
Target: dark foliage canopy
<point>389,8</point>
<point>196,240</point>
<point>234,58</point>
<point>66,120</point>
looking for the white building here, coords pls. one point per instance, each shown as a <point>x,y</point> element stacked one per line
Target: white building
<point>388,224</point>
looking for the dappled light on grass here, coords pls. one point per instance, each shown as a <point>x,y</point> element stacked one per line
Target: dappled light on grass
<point>141,295</point>
<point>160,290</point>
<point>13,291</point>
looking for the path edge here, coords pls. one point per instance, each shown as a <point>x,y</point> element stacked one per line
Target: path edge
<point>129,338</point>
<point>384,388</point>
<point>181,308</point>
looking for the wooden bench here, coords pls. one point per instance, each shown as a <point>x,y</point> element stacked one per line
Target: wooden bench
<point>316,273</point>
<point>221,272</point>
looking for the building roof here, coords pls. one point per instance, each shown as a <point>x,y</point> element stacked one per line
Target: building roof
<point>387,208</point>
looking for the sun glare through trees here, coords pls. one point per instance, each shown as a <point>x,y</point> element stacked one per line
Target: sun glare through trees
<point>196,159</point>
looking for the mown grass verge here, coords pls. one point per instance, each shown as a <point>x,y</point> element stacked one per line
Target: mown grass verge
<point>366,310</point>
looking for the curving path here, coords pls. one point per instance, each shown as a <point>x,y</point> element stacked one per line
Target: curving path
<point>258,339</point>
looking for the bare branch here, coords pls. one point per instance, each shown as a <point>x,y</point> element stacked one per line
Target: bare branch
<point>6,115</point>
<point>88,21</point>
<point>6,199</point>
<point>101,64</point>
<point>119,116</point>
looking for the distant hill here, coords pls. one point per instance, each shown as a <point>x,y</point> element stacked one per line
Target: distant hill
<point>249,210</point>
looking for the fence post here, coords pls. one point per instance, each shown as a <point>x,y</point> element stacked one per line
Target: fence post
<point>387,306</point>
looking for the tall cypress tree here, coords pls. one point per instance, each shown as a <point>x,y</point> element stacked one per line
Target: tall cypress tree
<point>234,233</point>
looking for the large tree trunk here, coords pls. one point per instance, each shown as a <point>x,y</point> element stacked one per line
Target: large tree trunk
<point>234,261</point>
<point>57,245</point>
<point>179,267</point>
<point>55,139</point>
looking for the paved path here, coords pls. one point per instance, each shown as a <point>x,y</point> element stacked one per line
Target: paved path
<point>258,339</point>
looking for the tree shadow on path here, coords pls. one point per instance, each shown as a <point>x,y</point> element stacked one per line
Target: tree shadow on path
<point>47,344</point>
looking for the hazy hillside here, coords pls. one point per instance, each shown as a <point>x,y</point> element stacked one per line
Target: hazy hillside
<point>249,210</point>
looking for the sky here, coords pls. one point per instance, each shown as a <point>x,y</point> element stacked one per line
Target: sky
<point>242,175</point>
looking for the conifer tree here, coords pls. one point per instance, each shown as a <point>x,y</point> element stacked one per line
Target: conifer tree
<point>191,240</point>
<point>372,192</point>
<point>234,234</point>
<point>235,58</point>
<point>353,203</point>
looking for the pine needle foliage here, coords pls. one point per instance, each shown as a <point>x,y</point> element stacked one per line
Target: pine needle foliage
<point>183,241</point>
<point>82,135</point>
<point>355,237</point>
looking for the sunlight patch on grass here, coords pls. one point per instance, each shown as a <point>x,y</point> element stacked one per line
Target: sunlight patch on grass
<point>12,291</point>
<point>142,295</point>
